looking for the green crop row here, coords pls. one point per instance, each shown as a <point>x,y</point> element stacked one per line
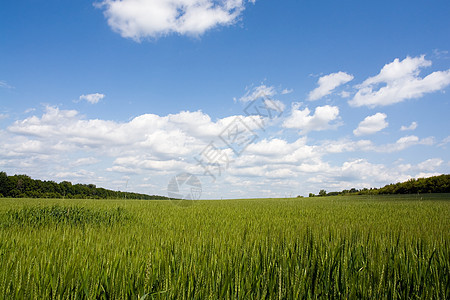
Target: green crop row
<point>59,215</point>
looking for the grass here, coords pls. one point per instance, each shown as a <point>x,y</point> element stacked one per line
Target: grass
<point>57,215</point>
<point>383,247</point>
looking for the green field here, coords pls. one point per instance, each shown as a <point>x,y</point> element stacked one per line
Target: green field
<point>331,247</point>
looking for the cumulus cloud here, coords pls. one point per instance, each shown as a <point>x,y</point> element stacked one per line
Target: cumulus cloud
<point>145,162</point>
<point>265,171</point>
<point>273,147</point>
<point>364,170</point>
<point>92,98</point>
<point>344,94</point>
<point>278,151</point>
<point>444,141</point>
<point>348,145</point>
<point>328,83</point>
<point>85,161</point>
<point>138,19</point>
<point>430,164</point>
<point>399,81</point>
<point>320,120</point>
<point>81,174</point>
<point>427,174</point>
<point>371,124</point>
<point>413,126</point>
<point>405,142</point>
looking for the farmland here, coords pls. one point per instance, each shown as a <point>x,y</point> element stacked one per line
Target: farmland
<point>340,247</point>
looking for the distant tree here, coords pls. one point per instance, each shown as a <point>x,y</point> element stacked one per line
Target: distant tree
<point>3,183</point>
<point>18,186</point>
<point>435,184</point>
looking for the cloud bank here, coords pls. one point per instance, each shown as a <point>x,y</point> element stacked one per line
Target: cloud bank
<point>64,145</point>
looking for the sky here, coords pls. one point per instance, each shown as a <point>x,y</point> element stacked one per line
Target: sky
<point>253,99</point>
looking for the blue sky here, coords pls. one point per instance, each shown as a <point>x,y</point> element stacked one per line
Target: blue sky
<point>127,94</point>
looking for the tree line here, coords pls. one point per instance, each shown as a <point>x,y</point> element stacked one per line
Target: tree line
<point>435,184</point>
<point>22,186</point>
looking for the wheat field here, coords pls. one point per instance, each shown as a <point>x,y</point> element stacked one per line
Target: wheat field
<point>383,247</point>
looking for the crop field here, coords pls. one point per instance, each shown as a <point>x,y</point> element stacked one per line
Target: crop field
<point>323,247</point>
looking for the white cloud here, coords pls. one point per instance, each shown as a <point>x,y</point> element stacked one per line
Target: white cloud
<point>328,83</point>
<point>444,141</point>
<point>364,170</point>
<point>440,53</point>
<point>263,172</point>
<point>277,151</point>
<point>138,19</point>
<point>85,161</point>
<point>430,164</point>
<point>273,106</point>
<point>4,84</point>
<point>356,173</point>
<point>413,126</point>
<point>286,91</point>
<point>3,116</point>
<point>347,145</point>
<point>29,110</point>
<point>145,162</point>
<point>261,91</point>
<point>398,81</point>
<point>315,165</point>
<point>320,120</point>
<point>344,94</point>
<point>427,174</point>
<point>273,147</point>
<point>92,98</point>
<point>77,174</point>
<point>371,124</point>
<point>405,142</point>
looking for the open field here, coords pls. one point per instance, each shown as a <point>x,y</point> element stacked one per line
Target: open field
<point>342,247</point>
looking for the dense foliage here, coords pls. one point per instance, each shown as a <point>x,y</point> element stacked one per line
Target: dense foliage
<point>357,247</point>
<point>22,186</point>
<point>435,184</point>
